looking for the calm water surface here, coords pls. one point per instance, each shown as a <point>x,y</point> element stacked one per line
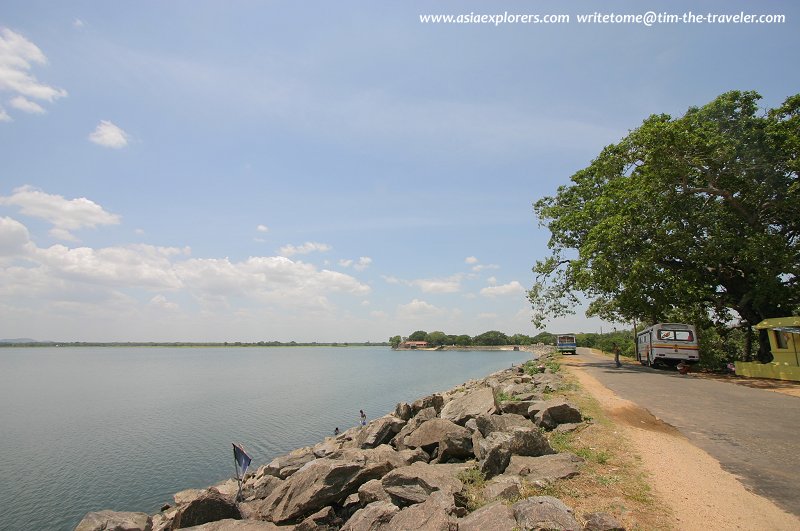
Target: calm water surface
<point>85,429</point>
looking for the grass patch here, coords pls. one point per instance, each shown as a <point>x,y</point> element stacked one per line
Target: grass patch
<point>474,480</point>
<point>502,396</point>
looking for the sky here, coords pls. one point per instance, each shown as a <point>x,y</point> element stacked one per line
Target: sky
<point>322,171</point>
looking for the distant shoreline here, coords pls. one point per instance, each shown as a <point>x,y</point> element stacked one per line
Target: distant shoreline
<point>50,344</point>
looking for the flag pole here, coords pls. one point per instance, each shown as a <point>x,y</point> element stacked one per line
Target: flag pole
<point>236,468</point>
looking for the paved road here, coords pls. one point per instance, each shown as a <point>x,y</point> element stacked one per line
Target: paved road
<point>753,433</point>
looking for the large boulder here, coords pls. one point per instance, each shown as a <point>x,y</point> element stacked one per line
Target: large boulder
<point>551,413</point>
<point>495,516</point>
<point>185,496</point>
<point>379,431</point>
<point>544,512</point>
<point>517,407</point>
<point>414,483</point>
<point>431,432</point>
<point>115,521</point>
<point>469,405</point>
<point>431,515</point>
<point>286,465</point>
<point>372,491</point>
<point>319,483</point>
<point>545,468</point>
<point>436,401</point>
<point>374,517</point>
<point>403,411</point>
<point>496,449</point>
<point>491,423</point>
<point>418,420</point>
<point>455,446</point>
<point>323,520</point>
<point>238,525</point>
<point>208,507</point>
<point>602,522</point>
<point>258,488</point>
<point>504,486</point>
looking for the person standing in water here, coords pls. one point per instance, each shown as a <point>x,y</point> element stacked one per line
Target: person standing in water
<point>363,417</point>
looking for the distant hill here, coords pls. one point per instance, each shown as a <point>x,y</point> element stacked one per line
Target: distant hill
<point>19,340</point>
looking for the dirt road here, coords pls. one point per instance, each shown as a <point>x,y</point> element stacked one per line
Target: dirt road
<point>753,437</point>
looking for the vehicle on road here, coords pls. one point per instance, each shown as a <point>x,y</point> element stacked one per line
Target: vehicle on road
<point>566,343</point>
<point>667,344</point>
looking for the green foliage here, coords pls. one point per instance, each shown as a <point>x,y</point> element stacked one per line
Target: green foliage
<point>697,215</point>
<point>544,337</point>
<point>531,367</point>
<point>463,340</point>
<point>596,456</point>
<point>436,339</point>
<point>395,341</point>
<point>419,335</point>
<point>491,338</point>
<point>502,396</point>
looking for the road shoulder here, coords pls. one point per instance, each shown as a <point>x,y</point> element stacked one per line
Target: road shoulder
<point>700,494</point>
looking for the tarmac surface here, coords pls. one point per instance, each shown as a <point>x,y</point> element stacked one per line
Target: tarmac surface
<point>753,432</point>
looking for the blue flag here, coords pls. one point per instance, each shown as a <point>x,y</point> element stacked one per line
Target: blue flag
<point>241,458</point>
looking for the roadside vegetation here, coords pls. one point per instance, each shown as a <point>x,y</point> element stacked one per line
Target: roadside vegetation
<point>486,339</point>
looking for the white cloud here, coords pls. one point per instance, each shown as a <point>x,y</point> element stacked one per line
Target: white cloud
<point>14,237</point>
<point>432,285</point>
<point>511,288</point>
<point>78,23</point>
<point>417,309</point>
<point>65,214</point>
<point>17,55</point>
<point>160,301</point>
<point>363,263</point>
<point>471,260</point>
<point>24,104</point>
<point>4,117</point>
<point>262,228</point>
<point>345,263</point>
<point>306,248</point>
<point>480,267</point>
<point>109,135</point>
<point>492,281</point>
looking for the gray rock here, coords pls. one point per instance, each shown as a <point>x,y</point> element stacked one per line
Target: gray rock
<point>239,525</point>
<point>495,516</point>
<point>468,406</point>
<point>319,483</point>
<point>260,488</point>
<point>374,517</point>
<point>323,520</point>
<point>517,407</point>
<point>496,449</point>
<point>503,486</point>
<point>185,496</point>
<point>403,411</point>
<point>414,483</point>
<point>544,512</point>
<point>471,425</point>
<point>420,418</point>
<point>208,507</point>
<point>546,468</point>
<point>431,515</point>
<point>372,491</point>
<point>429,433</point>
<point>491,423</point>
<point>286,465</point>
<point>455,446</point>
<point>435,401</point>
<point>602,522</point>
<point>551,413</point>
<point>569,427</point>
<point>379,431</point>
<point>115,521</point>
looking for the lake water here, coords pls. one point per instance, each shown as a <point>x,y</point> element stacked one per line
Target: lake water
<point>85,429</point>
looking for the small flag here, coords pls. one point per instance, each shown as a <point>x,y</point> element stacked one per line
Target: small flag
<point>241,458</point>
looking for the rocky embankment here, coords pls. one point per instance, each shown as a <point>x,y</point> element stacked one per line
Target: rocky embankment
<point>423,467</point>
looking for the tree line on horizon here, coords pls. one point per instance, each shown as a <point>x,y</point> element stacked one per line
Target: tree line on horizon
<point>487,339</point>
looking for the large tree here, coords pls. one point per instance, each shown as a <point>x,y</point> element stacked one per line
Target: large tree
<point>696,215</point>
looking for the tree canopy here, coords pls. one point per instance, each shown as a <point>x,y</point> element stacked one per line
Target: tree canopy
<point>697,215</point>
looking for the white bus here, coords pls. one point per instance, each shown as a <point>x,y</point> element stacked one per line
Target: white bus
<point>566,344</point>
<point>667,343</point>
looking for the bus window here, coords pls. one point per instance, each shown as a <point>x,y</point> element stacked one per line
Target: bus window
<point>676,335</point>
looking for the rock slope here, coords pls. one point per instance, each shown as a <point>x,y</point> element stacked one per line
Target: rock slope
<point>411,469</point>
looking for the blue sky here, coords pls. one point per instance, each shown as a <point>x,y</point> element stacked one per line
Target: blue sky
<point>320,171</point>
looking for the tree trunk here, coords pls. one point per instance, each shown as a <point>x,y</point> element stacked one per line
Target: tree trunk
<point>748,343</point>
